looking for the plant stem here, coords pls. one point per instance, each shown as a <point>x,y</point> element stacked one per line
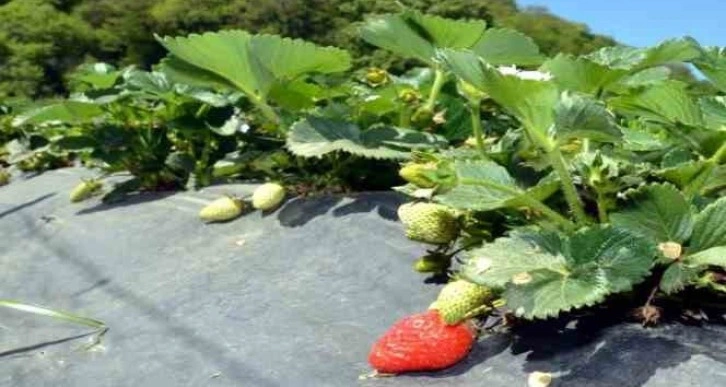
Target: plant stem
<point>475,107</point>
<point>439,80</point>
<point>404,117</point>
<point>568,186</point>
<point>720,153</point>
<point>202,110</point>
<point>602,212</point>
<point>266,109</point>
<point>548,212</point>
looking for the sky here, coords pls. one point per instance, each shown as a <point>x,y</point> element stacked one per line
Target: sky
<point>643,23</point>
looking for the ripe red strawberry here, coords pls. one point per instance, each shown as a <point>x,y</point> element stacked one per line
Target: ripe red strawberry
<point>421,342</point>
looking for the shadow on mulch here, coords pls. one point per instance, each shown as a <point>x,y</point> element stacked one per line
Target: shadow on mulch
<point>597,350</point>
<point>299,211</point>
<point>128,200</point>
<point>27,204</point>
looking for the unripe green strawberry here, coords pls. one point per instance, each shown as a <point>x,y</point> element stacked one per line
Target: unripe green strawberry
<point>469,91</point>
<point>376,76</point>
<point>4,177</point>
<point>268,196</point>
<point>432,263</point>
<point>409,95</point>
<point>85,190</point>
<point>222,209</point>
<point>429,222</point>
<point>416,174</point>
<point>423,117</point>
<point>459,298</point>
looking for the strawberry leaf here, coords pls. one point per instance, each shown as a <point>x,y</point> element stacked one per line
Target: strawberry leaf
<point>677,277</point>
<point>709,227</point>
<point>484,185</point>
<point>315,137</point>
<point>540,282</point>
<point>668,102</point>
<point>581,74</point>
<point>68,111</point>
<point>630,58</point>
<point>494,264</point>
<point>714,256</point>
<point>249,63</point>
<point>531,101</point>
<point>415,35</point>
<point>578,116</point>
<point>502,46</point>
<point>713,65</point>
<point>659,212</point>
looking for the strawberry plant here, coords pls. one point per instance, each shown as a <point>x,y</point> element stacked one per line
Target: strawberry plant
<point>543,186</point>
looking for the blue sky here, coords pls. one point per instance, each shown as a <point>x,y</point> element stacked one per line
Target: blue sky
<point>645,22</point>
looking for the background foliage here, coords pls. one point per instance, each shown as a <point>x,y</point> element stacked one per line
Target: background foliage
<point>42,40</point>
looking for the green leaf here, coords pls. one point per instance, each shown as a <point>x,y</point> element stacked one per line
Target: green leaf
<point>540,282</point>
<point>415,35</point>
<point>709,227</point>
<point>618,57</point>
<point>629,58</point>
<point>714,256</point>
<point>502,46</point>
<point>482,185</point>
<point>296,95</point>
<point>647,77</point>
<point>465,65</point>
<point>225,54</point>
<point>578,116</point>
<point>180,72</point>
<point>250,63</point>
<point>713,65</point>
<point>667,102</point>
<point>639,139</point>
<point>531,101</point>
<point>623,258</point>
<point>714,111</point>
<point>96,75</point>
<point>155,83</point>
<point>673,50</point>
<point>287,59</point>
<point>71,112</point>
<point>447,33</point>
<point>687,175</point>
<point>659,212</point>
<point>716,180</point>
<point>494,264</point>
<point>315,136</point>
<point>581,74</point>
<point>677,276</point>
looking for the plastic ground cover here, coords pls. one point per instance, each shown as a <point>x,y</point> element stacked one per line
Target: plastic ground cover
<point>291,298</point>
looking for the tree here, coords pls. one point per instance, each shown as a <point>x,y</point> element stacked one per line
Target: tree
<point>38,45</point>
<point>41,40</point>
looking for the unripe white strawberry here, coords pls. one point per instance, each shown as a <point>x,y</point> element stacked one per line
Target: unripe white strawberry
<point>429,222</point>
<point>539,379</point>
<point>268,196</point>
<point>85,190</point>
<point>416,174</point>
<point>459,298</point>
<point>223,209</point>
<point>4,177</point>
